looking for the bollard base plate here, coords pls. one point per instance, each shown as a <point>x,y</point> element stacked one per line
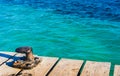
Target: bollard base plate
<point>26,64</point>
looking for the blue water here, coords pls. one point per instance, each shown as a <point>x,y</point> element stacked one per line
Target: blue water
<point>75,29</point>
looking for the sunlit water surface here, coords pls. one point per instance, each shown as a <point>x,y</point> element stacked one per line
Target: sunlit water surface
<point>52,34</point>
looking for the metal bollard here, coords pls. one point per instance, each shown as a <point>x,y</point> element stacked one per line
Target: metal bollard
<point>29,62</point>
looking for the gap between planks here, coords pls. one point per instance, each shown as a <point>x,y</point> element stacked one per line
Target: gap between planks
<point>117,70</point>
<point>6,69</point>
<point>43,67</point>
<point>5,56</point>
<point>93,68</point>
<point>67,67</point>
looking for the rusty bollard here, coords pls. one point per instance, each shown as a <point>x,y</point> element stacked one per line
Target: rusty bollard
<point>29,62</point>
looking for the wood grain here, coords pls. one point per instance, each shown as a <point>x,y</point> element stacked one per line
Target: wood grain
<point>117,70</point>
<point>92,68</point>
<point>4,56</point>
<point>67,67</point>
<point>6,69</point>
<point>43,67</point>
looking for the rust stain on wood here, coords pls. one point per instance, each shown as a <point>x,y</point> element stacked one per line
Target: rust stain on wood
<point>43,67</point>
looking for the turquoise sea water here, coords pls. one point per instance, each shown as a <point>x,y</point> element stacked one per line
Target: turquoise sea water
<point>54,34</point>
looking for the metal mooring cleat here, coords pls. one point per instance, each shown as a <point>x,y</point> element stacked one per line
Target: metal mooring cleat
<point>29,62</point>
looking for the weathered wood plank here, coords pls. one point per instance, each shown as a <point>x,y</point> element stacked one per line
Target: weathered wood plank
<point>6,69</point>
<point>4,56</point>
<point>43,67</point>
<point>67,67</point>
<point>96,69</point>
<point>117,70</point>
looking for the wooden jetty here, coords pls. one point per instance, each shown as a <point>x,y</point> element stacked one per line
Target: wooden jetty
<point>52,66</point>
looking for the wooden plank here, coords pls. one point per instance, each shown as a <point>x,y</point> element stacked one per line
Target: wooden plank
<point>6,69</point>
<point>43,67</point>
<point>96,69</point>
<point>117,70</point>
<point>4,56</point>
<point>67,67</point>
